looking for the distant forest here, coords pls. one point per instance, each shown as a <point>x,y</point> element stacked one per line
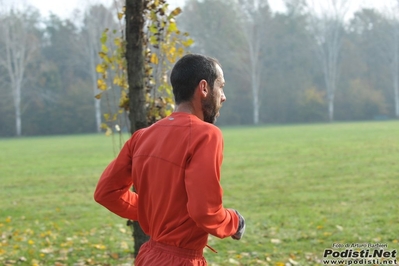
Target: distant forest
<point>300,66</point>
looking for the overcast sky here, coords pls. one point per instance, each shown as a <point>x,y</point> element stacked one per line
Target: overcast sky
<point>64,8</point>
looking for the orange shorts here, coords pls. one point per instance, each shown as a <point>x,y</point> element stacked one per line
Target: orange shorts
<point>154,253</point>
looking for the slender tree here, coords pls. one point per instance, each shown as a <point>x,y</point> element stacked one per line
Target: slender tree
<point>135,71</point>
<point>392,53</point>
<point>327,26</point>
<point>18,46</point>
<point>253,15</point>
<point>96,19</point>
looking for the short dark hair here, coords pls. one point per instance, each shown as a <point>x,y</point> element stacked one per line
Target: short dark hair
<point>188,72</point>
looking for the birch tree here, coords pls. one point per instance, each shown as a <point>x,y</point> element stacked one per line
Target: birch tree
<point>97,19</point>
<point>253,16</point>
<point>395,66</point>
<point>18,46</point>
<point>391,46</point>
<point>327,26</point>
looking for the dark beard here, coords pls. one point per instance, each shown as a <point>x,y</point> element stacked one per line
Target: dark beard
<point>209,108</point>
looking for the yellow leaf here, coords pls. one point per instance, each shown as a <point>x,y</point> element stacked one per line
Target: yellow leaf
<point>102,54</point>
<point>124,102</point>
<point>172,27</point>
<point>107,59</point>
<point>153,40</point>
<point>117,42</point>
<point>99,246</point>
<point>188,42</point>
<point>98,96</point>
<point>104,37</point>
<point>116,80</point>
<point>8,219</point>
<point>107,133</point>
<point>104,48</point>
<point>180,52</point>
<point>120,15</point>
<point>176,12</point>
<point>100,68</point>
<point>101,84</point>
<point>154,59</point>
<point>103,126</point>
<point>172,50</point>
<point>168,112</point>
<point>153,29</point>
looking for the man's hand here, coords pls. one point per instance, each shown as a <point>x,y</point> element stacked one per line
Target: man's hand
<point>241,227</point>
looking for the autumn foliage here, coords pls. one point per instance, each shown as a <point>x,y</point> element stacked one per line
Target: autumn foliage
<point>164,43</point>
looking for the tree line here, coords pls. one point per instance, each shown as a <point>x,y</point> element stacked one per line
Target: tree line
<point>280,67</point>
<point>48,76</point>
<point>314,62</point>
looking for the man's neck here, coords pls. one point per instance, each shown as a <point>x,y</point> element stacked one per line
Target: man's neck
<point>187,107</point>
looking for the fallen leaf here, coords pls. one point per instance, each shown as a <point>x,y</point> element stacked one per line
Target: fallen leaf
<point>47,250</point>
<point>115,256</point>
<point>275,241</point>
<point>99,246</point>
<point>293,262</point>
<point>340,228</point>
<point>124,245</point>
<point>233,261</point>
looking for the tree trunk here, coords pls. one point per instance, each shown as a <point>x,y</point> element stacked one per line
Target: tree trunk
<point>17,105</point>
<point>97,102</point>
<point>135,63</point>
<point>331,109</point>
<point>395,76</point>
<point>397,101</point>
<point>135,73</point>
<point>97,110</point>
<point>395,68</point>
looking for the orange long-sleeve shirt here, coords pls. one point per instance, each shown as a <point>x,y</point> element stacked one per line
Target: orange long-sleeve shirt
<point>174,166</point>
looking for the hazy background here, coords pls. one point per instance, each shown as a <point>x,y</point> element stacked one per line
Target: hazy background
<point>284,61</point>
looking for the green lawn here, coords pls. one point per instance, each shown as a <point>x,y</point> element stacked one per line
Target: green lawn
<point>301,189</point>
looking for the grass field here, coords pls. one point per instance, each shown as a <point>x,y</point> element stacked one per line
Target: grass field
<point>301,188</point>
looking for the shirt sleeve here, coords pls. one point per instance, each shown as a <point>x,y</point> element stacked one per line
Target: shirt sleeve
<point>113,190</point>
<point>204,192</point>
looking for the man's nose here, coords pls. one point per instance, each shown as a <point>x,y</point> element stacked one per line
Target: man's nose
<point>223,99</point>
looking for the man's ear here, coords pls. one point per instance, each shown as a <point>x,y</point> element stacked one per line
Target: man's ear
<point>203,88</point>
